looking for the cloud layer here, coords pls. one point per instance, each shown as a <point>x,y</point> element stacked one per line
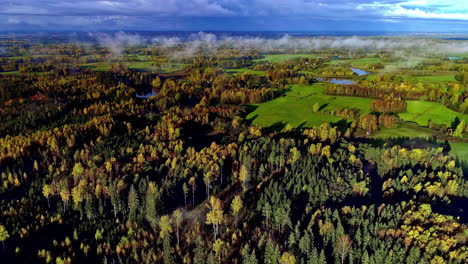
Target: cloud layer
<point>191,44</point>
<point>113,14</point>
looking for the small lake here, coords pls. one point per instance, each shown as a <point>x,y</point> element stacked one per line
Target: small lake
<point>455,58</point>
<point>336,80</point>
<point>148,95</point>
<point>359,71</point>
<point>343,80</point>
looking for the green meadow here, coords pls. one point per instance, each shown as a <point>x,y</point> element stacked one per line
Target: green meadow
<point>283,57</point>
<point>147,66</point>
<point>460,149</point>
<point>421,79</point>
<point>407,129</point>
<point>96,66</point>
<point>362,62</point>
<point>9,72</point>
<point>295,107</point>
<point>245,70</point>
<point>430,79</point>
<point>422,112</point>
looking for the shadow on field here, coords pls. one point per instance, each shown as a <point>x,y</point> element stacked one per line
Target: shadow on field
<point>278,126</point>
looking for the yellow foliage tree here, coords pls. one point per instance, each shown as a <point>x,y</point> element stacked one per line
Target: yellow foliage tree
<point>287,258</point>
<point>165,225</point>
<point>215,216</point>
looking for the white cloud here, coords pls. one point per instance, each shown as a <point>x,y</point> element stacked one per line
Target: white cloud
<point>420,9</point>
<point>399,11</point>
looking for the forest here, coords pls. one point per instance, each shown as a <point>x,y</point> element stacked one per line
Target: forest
<point>228,155</point>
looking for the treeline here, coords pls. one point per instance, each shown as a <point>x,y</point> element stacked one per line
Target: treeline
<point>389,105</point>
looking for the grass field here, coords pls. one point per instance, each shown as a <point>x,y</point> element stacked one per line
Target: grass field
<point>421,112</point>
<point>244,70</point>
<point>460,149</point>
<point>363,62</point>
<point>283,57</point>
<point>149,66</point>
<point>138,66</point>
<point>96,66</point>
<point>9,72</point>
<point>295,107</point>
<point>430,79</point>
<point>422,79</point>
<point>407,129</point>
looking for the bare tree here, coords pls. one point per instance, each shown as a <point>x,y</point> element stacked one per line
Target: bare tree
<point>343,247</point>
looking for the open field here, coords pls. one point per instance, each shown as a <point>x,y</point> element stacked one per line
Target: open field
<point>407,129</point>
<point>421,112</point>
<point>138,66</point>
<point>460,149</point>
<point>283,57</point>
<point>295,107</point>
<point>9,72</point>
<point>96,66</point>
<point>245,70</point>
<point>430,79</point>
<point>422,79</point>
<point>363,62</point>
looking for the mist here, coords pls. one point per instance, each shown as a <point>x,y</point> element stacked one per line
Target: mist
<point>117,42</point>
<point>208,43</point>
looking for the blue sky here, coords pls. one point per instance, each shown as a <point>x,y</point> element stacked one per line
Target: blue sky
<point>236,15</point>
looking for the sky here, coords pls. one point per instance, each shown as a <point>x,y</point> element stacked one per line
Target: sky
<point>235,15</point>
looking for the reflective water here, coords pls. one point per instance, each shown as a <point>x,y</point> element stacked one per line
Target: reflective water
<point>148,95</point>
<point>359,71</point>
<point>342,80</point>
<point>336,80</point>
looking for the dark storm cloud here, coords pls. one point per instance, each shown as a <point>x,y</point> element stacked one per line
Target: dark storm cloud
<point>144,13</point>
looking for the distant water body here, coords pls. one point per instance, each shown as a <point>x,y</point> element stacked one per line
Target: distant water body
<point>344,80</point>
<point>359,71</point>
<point>147,95</point>
<point>91,37</point>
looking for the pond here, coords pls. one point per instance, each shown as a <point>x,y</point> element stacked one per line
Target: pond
<point>148,95</point>
<point>343,80</point>
<point>336,80</point>
<point>359,71</point>
<point>455,58</point>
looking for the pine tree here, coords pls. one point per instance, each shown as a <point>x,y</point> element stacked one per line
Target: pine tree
<point>322,258</point>
<point>133,203</point>
<point>304,243</point>
<point>198,255</point>
<point>365,258</point>
<point>272,254</point>
<point>167,254</point>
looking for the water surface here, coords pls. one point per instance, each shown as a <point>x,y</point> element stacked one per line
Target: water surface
<point>359,71</point>
<point>148,95</point>
<point>336,80</point>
